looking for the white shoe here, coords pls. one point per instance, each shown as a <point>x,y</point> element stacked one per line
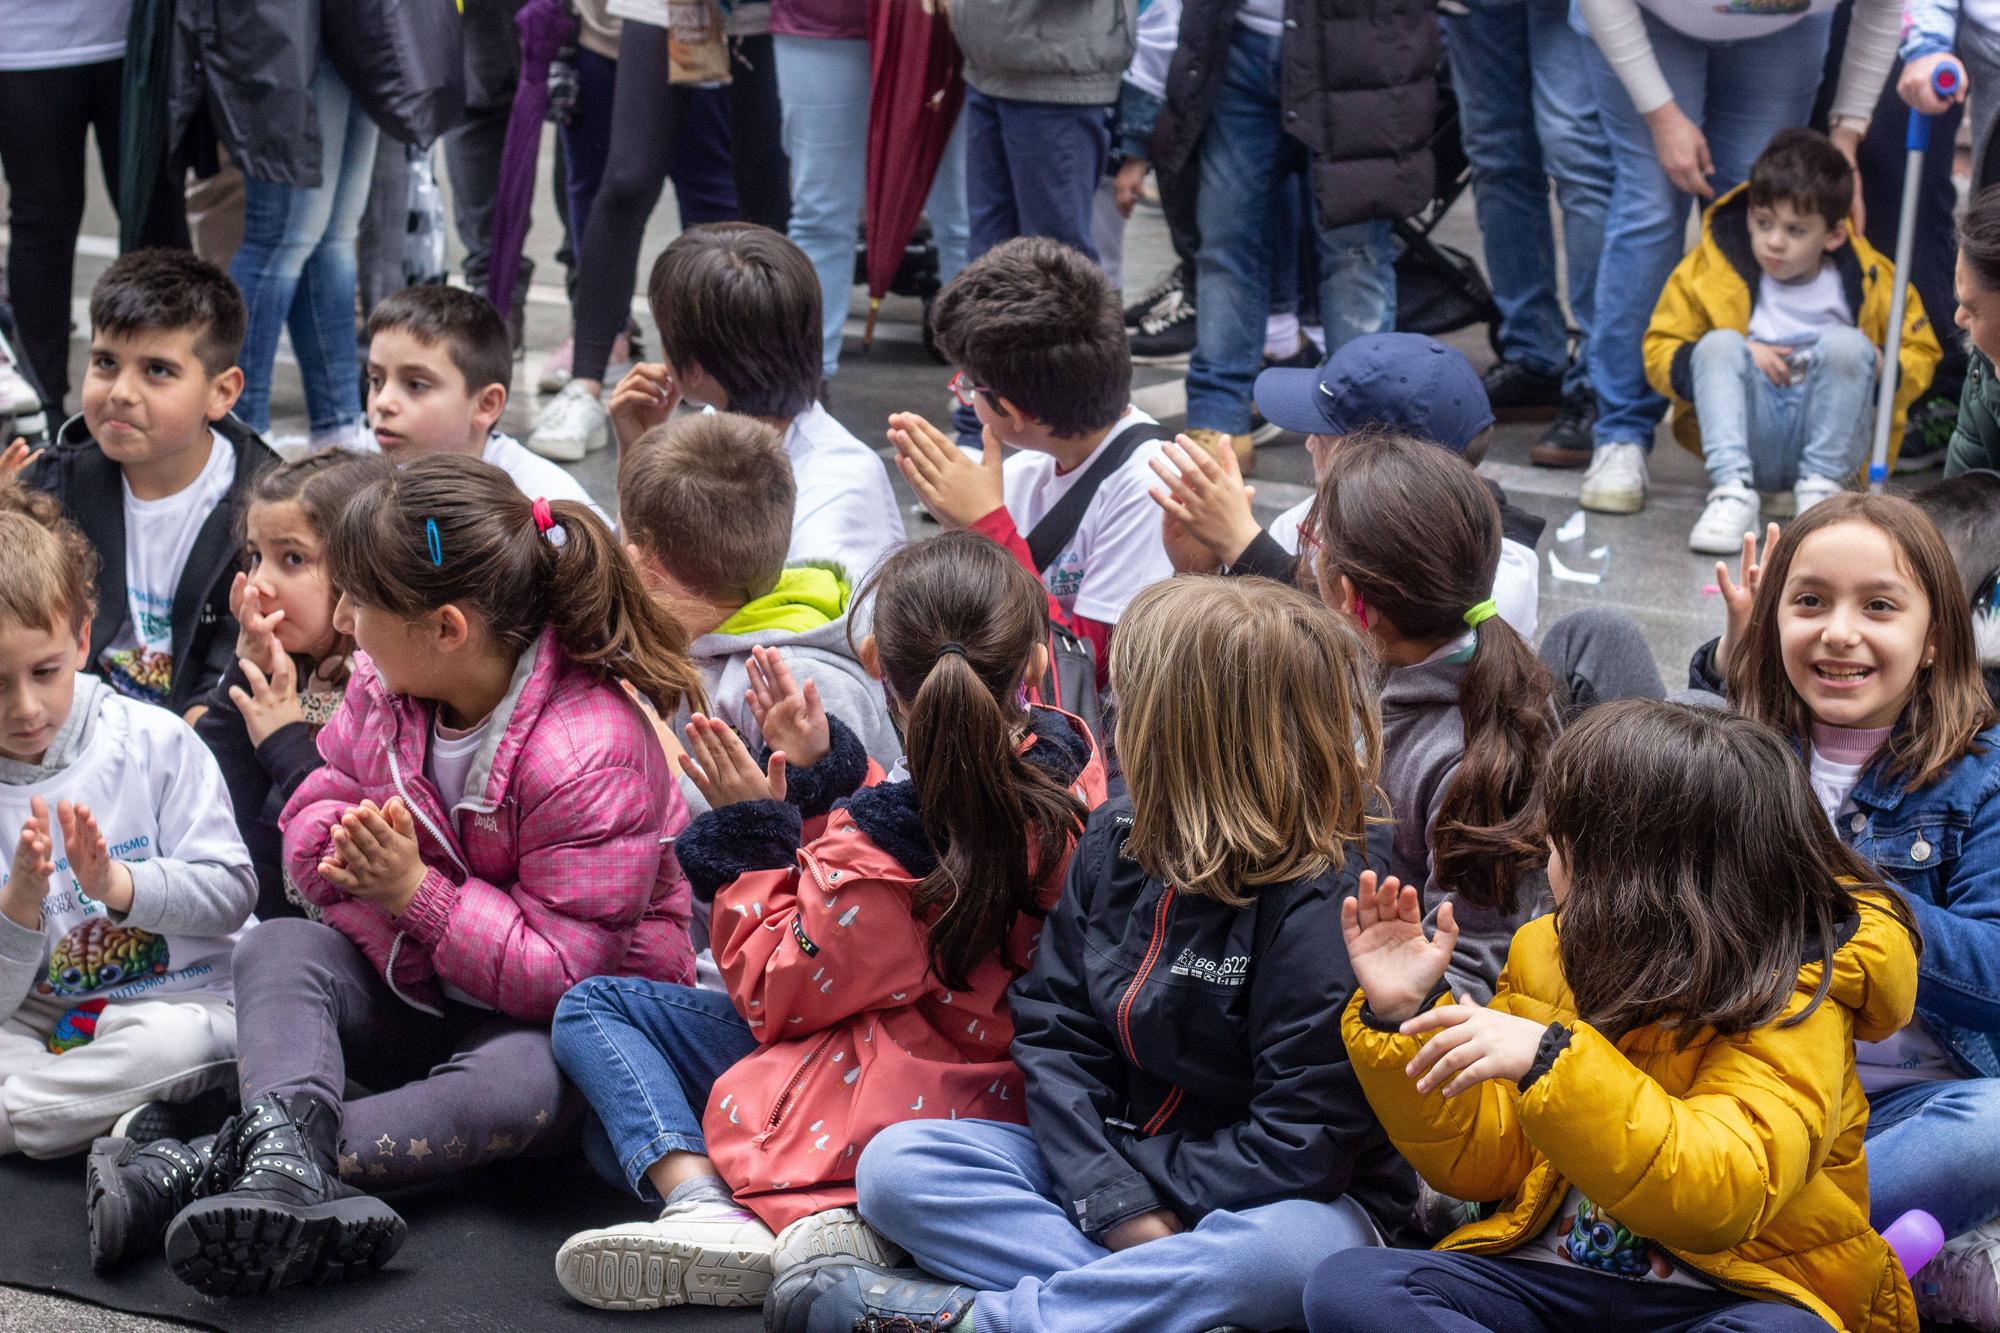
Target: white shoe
<point>573,426</point>
<point>836,1231</point>
<point>1730,512</point>
<point>555,370</point>
<point>1616,481</point>
<point>696,1253</point>
<point>1811,490</point>
<point>1962,1285</point>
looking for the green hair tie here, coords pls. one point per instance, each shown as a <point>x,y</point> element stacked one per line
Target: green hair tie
<point>1481,613</point>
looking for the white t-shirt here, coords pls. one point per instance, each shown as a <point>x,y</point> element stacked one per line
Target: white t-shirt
<point>1265,16</point>
<point>1517,582</point>
<point>1912,1055</point>
<point>156,792</point>
<point>59,34</point>
<point>1833,782</point>
<point>448,761</point>
<point>846,508</point>
<point>1117,549</point>
<point>159,537</point>
<point>537,477</point>
<point>1794,314</point>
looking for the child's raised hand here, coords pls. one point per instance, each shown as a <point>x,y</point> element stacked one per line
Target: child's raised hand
<point>98,877</point>
<point>957,491</point>
<point>1206,495</point>
<point>17,458</point>
<point>1738,598</point>
<point>645,398</point>
<point>1473,1044</point>
<point>720,766</point>
<point>256,631</point>
<point>375,855</point>
<point>792,719</point>
<point>1395,965</point>
<point>28,880</point>
<point>271,702</point>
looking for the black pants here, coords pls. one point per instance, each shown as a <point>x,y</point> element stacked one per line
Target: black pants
<point>45,115</point>
<point>1417,1291</point>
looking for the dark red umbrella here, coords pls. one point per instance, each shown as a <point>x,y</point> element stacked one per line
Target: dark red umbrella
<point>914,92</point>
<point>543,26</point>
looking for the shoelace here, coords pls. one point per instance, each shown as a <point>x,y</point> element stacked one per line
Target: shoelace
<point>1176,311</point>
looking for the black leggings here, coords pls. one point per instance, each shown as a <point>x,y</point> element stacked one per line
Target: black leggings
<point>657,130</point>
<point>44,117</point>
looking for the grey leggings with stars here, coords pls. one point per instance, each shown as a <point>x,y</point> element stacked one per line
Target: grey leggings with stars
<point>456,1091</point>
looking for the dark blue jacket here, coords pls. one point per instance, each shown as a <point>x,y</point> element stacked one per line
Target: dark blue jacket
<point>1184,1054</point>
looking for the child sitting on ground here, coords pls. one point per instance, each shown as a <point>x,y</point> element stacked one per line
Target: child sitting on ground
<point>1196,1143</point>
<point>439,370</point>
<point>1038,338</point>
<point>155,470</point>
<point>1675,1042</point>
<point>1768,339</point>
<point>738,309</point>
<point>706,502</point>
<point>291,666</point>
<point>127,882</point>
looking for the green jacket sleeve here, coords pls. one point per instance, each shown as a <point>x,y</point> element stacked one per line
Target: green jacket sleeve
<point>1976,441</point>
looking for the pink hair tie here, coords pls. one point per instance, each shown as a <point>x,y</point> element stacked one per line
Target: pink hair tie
<point>545,522</point>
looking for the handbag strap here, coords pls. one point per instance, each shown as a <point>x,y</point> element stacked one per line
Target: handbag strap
<point>1050,535</point>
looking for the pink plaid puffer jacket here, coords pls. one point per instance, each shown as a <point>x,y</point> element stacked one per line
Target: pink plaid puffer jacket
<point>558,864</point>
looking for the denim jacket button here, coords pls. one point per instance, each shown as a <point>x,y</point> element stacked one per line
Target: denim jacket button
<point>1859,823</point>
<point>1920,850</point>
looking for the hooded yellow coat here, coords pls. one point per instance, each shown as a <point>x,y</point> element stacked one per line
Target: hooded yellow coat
<point>1715,287</point>
<point>1740,1155</point>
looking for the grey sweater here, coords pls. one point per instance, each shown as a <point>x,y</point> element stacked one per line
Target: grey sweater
<point>1072,52</point>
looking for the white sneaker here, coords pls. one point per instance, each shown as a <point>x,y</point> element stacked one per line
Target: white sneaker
<point>555,370</point>
<point>836,1231</point>
<point>1730,512</point>
<point>1809,491</point>
<point>1616,481</point>
<point>573,425</point>
<point>696,1253</point>
<point>1962,1285</point>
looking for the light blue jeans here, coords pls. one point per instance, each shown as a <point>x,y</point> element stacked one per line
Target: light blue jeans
<point>1930,1146</point>
<point>1241,149</point>
<point>1766,437</point>
<point>1740,93</point>
<point>1527,116</point>
<point>823,85</point>
<point>296,267</point>
<point>973,1201</point>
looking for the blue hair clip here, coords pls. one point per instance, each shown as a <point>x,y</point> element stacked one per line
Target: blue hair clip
<point>435,542</point>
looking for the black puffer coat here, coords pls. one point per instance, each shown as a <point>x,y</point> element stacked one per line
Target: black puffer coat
<point>1358,90</point>
<point>241,73</point>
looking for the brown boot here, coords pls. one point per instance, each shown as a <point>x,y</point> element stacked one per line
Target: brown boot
<point>1214,441</point>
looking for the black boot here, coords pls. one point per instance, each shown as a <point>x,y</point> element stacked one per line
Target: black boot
<point>132,1191</point>
<point>287,1217</point>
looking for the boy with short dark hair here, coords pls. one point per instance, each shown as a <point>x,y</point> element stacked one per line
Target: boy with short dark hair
<point>706,504</point>
<point>738,307</point>
<point>439,370</point>
<point>1038,337</point>
<point>154,471</point>
<point>1769,338</point>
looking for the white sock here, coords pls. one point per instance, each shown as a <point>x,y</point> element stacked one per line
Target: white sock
<point>1281,335</point>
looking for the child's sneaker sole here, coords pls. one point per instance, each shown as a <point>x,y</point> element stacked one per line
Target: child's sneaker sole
<point>228,1247</point>
<point>837,1231</point>
<point>617,1270</point>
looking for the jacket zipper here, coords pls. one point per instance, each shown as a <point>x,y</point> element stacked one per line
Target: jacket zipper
<point>396,945</point>
<point>784,1102</point>
<point>1164,1114</point>
<point>1145,970</point>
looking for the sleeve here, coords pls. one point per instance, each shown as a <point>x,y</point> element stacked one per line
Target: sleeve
<point>316,806</point>
<point>1074,1072</point>
<point>199,881</point>
<point>1703,671</point>
<point>1959,970</point>
<point>1619,30</point>
<point>1159,35</point>
<point>588,856</point>
<point>1678,323</point>
<point>1873,34</point>
<point>1975,441</point>
<point>1704,1172</point>
<point>221,730</point>
<point>1930,27</point>
<point>1266,558</point>
<point>1307,1120</point>
<point>23,952</point>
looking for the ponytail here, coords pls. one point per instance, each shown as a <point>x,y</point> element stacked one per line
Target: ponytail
<point>1509,726</point>
<point>956,623</point>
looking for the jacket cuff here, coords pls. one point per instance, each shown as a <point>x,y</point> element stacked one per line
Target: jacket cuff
<point>1137,112</point>
<point>1921,45</point>
<point>429,913</point>
<point>1264,557</point>
<point>1703,673</point>
<point>1103,1209</point>
<point>1554,1042</point>
<point>1370,1019</point>
<point>1680,372</point>
<point>837,774</point>
<point>288,754</point>
<point>732,840</point>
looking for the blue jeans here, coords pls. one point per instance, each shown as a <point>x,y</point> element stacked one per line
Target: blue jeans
<point>296,267</point>
<point>973,1201</point>
<point>1527,116</point>
<point>1740,93</point>
<point>1766,437</point>
<point>823,84</point>
<point>1923,1153</point>
<point>1031,169</point>
<point>1242,159</point>
<point>645,1054</point>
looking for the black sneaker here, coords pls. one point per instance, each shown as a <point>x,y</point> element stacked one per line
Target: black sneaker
<point>1173,280</point>
<point>1519,392</point>
<point>288,1217</point>
<point>841,1293</point>
<point>176,1120</point>
<point>1927,434</point>
<point>132,1191</point>
<point>1567,442</point>
<point>1165,334</point>
<point>1306,358</point>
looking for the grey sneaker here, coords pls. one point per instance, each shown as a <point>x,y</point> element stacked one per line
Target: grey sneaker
<point>1962,1285</point>
<point>839,1295</point>
<point>834,1232</point>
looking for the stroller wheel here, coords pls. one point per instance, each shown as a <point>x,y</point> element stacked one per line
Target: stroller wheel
<point>930,338</point>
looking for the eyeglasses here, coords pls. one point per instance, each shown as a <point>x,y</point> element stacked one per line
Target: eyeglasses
<point>964,389</point>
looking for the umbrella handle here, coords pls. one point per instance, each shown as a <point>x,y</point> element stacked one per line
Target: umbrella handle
<point>868,331</point>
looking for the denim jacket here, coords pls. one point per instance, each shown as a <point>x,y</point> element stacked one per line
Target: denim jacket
<point>1941,845</point>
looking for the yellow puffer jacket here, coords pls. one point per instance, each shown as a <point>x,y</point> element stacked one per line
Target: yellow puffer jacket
<point>1739,1155</point>
<point>1716,284</point>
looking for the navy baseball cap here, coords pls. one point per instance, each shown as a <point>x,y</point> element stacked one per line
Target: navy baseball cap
<point>1401,381</point>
